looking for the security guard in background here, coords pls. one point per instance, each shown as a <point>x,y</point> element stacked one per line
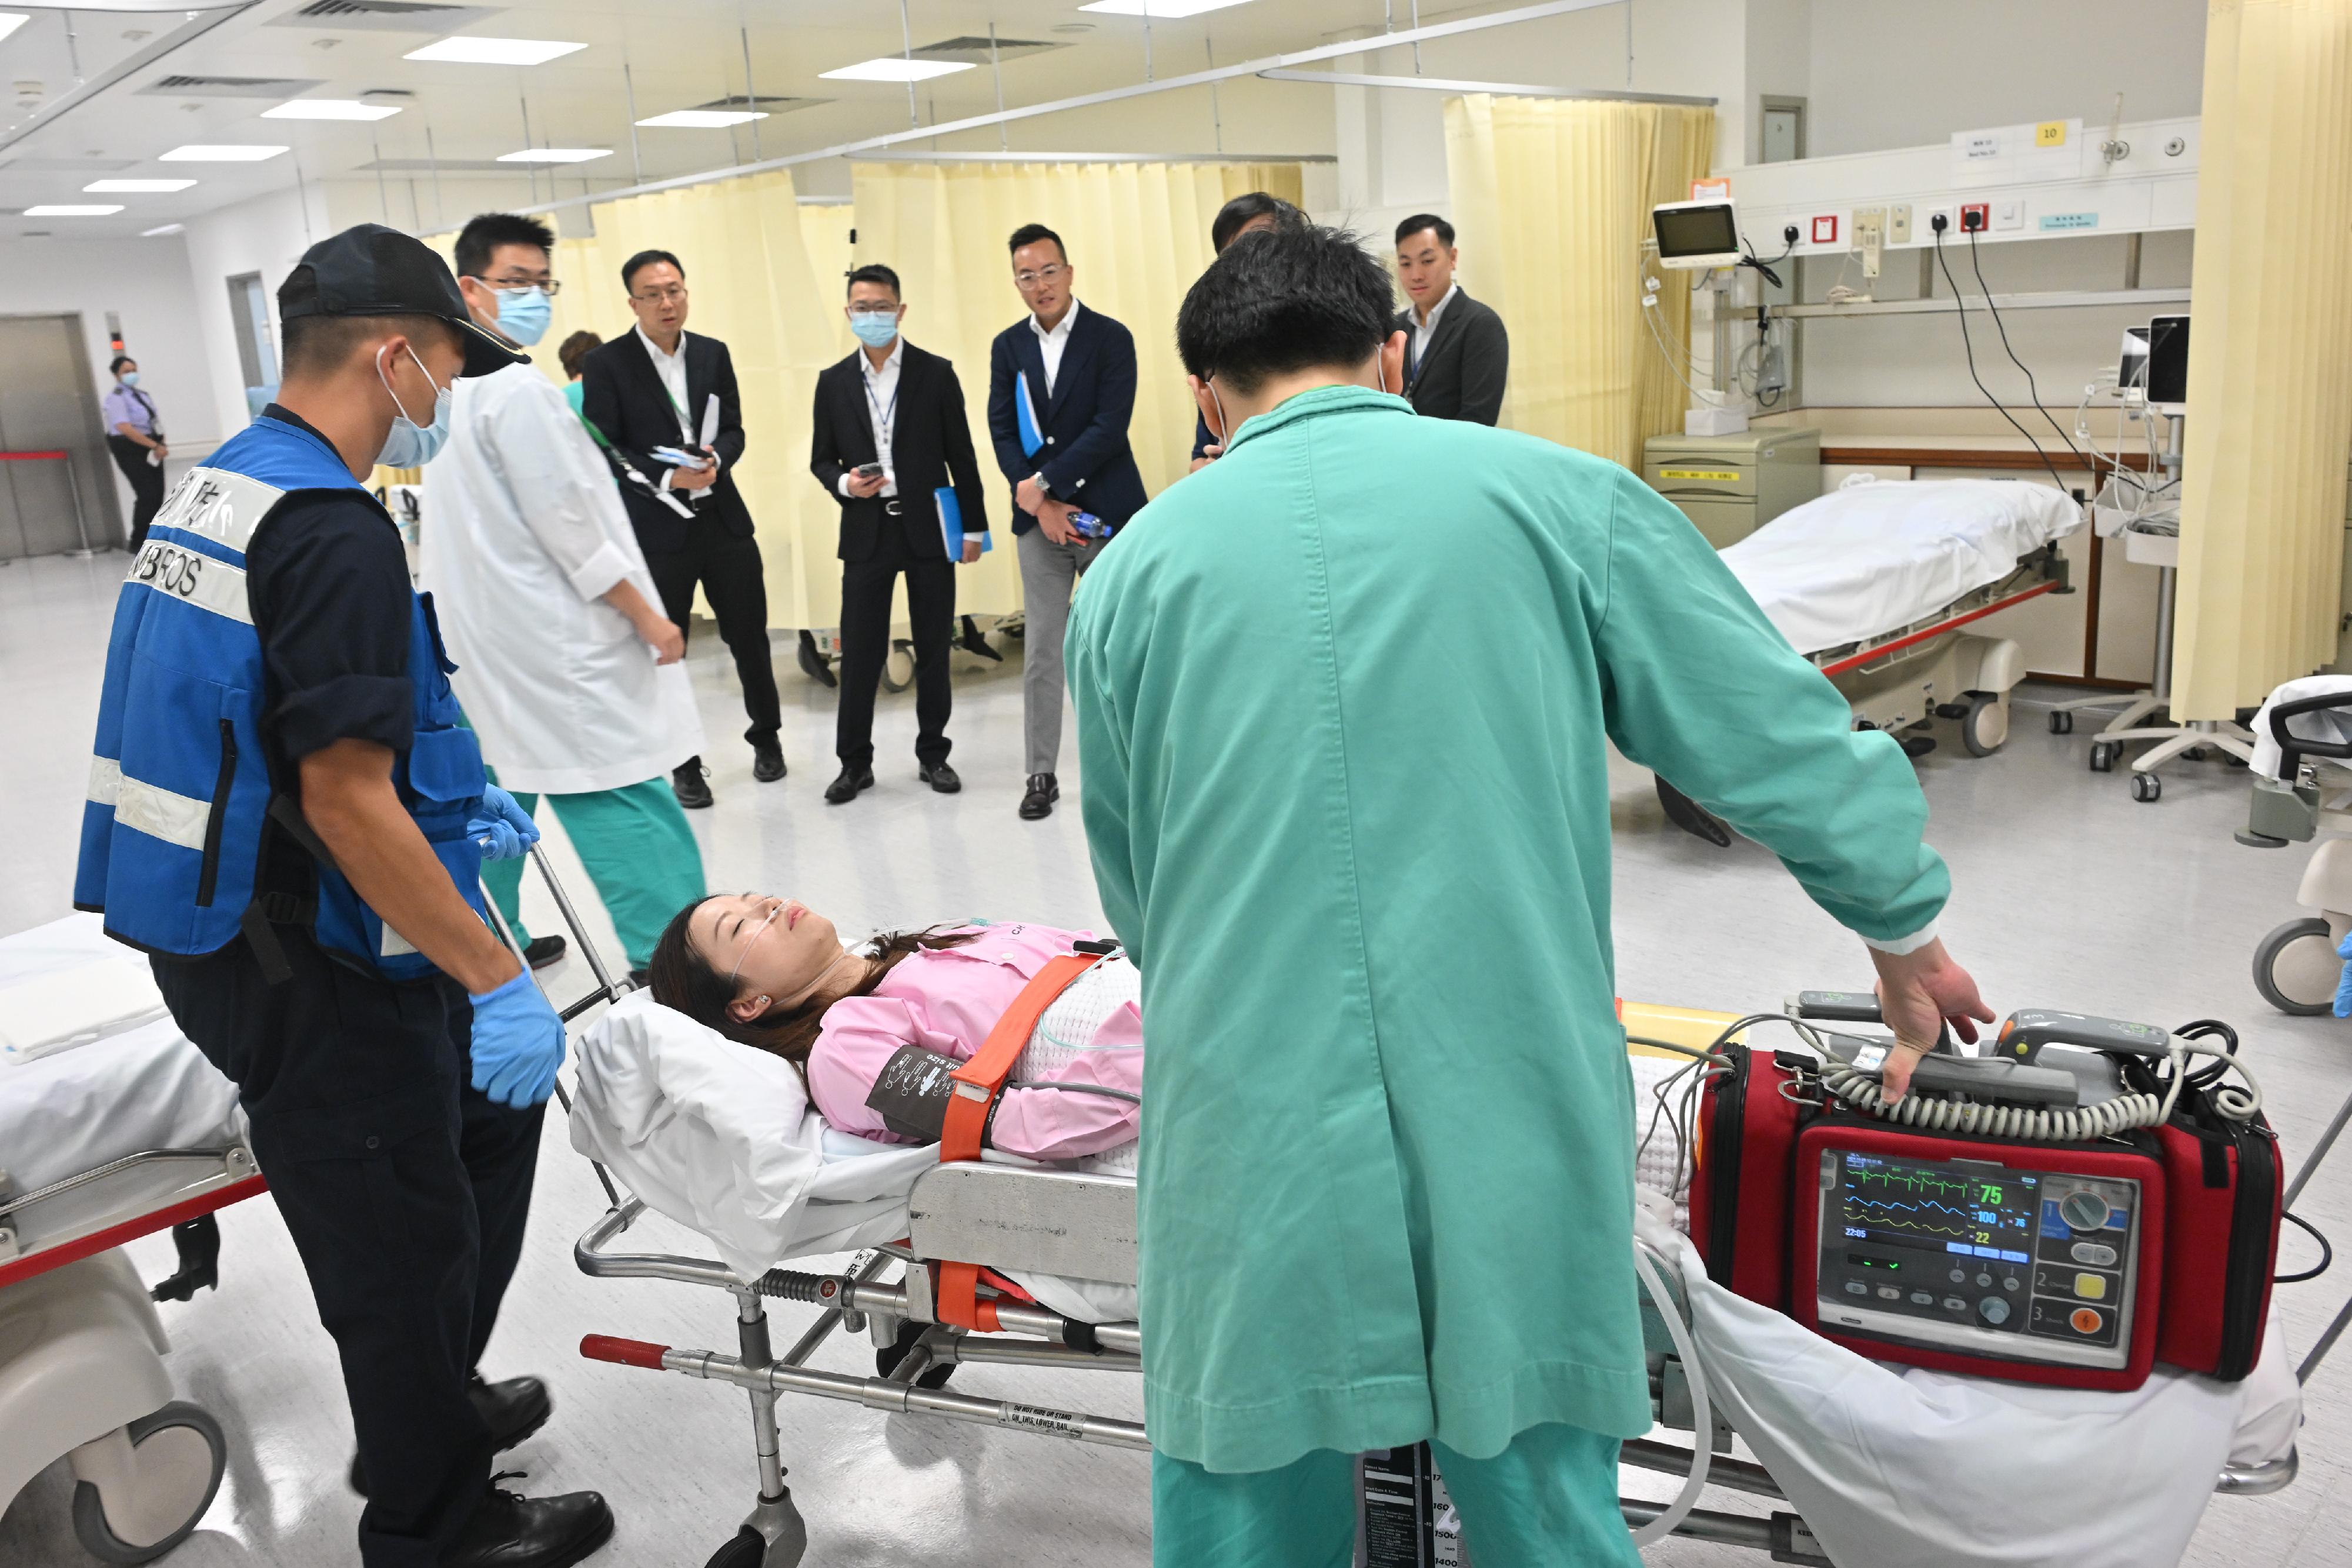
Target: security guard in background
<point>285,811</point>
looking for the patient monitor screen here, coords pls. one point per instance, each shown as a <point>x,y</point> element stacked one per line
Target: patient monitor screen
<point>1980,1258</point>
<point>1695,231</point>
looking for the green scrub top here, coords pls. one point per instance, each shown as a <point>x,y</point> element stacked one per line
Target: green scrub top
<point>1344,700</point>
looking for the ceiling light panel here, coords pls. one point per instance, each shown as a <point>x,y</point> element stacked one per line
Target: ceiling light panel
<point>219,152</point>
<point>71,210</point>
<point>10,21</point>
<point>495,51</point>
<point>1160,8</point>
<point>702,119</point>
<point>330,109</point>
<point>555,155</point>
<point>892,67</point>
<point>130,187</point>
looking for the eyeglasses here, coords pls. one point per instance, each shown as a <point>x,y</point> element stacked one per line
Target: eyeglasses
<point>874,310</point>
<point>1025,281</point>
<point>675,291</point>
<point>506,285</point>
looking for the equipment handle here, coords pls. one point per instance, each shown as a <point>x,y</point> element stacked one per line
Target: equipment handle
<point>2294,748</point>
<point>623,1351</point>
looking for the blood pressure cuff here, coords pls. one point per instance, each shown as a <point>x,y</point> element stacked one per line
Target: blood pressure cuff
<point>911,1093</point>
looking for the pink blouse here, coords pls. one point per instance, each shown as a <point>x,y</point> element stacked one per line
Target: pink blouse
<point>946,1002</point>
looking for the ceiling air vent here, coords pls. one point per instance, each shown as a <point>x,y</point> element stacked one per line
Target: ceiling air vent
<point>974,50</point>
<point>442,166</point>
<point>181,85</point>
<point>386,15</point>
<point>764,103</point>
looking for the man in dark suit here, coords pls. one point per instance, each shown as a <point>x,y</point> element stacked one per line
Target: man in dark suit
<point>654,389</point>
<point>1061,389</point>
<point>1457,355</point>
<point>889,433</point>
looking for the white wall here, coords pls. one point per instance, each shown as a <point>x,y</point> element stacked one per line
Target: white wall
<point>143,281</point>
<point>266,234</point>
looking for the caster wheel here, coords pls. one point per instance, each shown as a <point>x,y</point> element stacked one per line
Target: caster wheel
<point>2102,756</point>
<point>176,1455</point>
<point>2198,753</point>
<point>2146,789</point>
<point>744,1552</point>
<point>899,668</point>
<point>2061,722</point>
<point>2297,968</point>
<point>1984,724</point>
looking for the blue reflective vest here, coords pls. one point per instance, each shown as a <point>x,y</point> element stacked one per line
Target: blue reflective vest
<point>179,811</point>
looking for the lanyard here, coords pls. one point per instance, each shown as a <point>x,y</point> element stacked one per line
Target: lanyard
<point>886,420</point>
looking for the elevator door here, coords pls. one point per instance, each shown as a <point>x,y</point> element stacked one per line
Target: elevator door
<point>47,403</point>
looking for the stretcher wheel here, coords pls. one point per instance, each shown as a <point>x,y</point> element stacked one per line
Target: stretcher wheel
<point>1984,724</point>
<point>2146,789</point>
<point>744,1552</point>
<point>2102,756</point>
<point>2297,968</point>
<point>899,668</point>
<point>2061,722</point>
<point>177,1456</point>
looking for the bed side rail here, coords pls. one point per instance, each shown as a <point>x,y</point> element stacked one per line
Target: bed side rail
<point>1010,1217</point>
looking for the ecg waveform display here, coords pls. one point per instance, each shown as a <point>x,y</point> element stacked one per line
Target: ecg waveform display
<point>1933,1205</point>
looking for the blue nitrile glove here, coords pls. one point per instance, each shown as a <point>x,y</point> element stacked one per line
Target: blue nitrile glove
<point>503,829</point>
<point>2344,983</point>
<point>518,1043</point>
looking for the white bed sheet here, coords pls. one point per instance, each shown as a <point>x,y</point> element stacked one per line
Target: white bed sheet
<point>146,1088</point>
<point>2327,723</point>
<point>1904,1468</point>
<point>724,1140</point>
<point>1864,561</point>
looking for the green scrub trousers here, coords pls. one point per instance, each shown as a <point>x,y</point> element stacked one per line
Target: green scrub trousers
<point>1547,1500</point>
<point>639,853</point>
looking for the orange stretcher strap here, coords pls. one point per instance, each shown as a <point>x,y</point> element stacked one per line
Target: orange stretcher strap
<point>977,1083</point>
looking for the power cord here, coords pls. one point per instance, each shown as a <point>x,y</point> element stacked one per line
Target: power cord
<point>1938,224</point>
<point>1976,264</point>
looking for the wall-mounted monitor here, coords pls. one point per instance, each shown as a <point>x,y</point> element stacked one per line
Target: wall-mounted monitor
<point>1696,234</point>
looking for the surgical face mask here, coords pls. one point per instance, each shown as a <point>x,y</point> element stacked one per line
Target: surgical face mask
<point>523,314</point>
<point>874,328</point>
<point>130,378</point>
<point>410,444</point>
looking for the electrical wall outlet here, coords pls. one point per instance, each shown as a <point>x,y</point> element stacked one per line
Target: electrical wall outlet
<point>1927,216</point>
<point>1898,224</point>
<point>1975,216</point>
<point>1870,237</point>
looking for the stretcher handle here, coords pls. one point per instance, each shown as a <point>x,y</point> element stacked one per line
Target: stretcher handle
<point>623,1351</point>
<point>2292,747</point>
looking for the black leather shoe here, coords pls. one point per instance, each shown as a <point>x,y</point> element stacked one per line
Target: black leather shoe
<point>509,1530</point>
<point>512,1408</point>
<point>941,778</point>
<point>1039,802</point>
<point>687,782</point>
<point>767,761</point>
<point>543,951</point>
<point>812,663</point>
<point>844,790</point>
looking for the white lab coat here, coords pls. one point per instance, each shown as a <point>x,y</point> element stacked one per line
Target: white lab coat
<point>522,534</point>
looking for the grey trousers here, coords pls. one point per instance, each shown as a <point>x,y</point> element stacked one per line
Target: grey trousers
<point>1049,574</point>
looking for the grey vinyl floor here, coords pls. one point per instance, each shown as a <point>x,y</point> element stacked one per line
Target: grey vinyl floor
<point>2068,894</point>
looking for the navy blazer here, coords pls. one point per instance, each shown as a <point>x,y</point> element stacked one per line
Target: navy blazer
<point>1086,460</point>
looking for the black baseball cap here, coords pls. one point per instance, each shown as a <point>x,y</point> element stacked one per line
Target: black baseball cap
<point>371,270</point>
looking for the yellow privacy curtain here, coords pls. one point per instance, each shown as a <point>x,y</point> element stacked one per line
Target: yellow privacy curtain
<point>2270,371</point>
<point>1138,236</point>
<point>1555,197</point>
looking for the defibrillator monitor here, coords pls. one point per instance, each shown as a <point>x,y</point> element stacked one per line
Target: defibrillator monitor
<point>1696,234</point>
<point>1981,1258</point>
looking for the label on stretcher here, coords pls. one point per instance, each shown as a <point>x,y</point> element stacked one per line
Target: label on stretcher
<point>1405,1519</point>
<point>1721,476</point>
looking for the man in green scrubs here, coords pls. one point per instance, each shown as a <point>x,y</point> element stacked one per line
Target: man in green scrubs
<point>1347,792</point>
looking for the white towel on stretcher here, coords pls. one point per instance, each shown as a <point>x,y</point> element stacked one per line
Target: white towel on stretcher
<point>76,1004</point>
<point>1861,562</point>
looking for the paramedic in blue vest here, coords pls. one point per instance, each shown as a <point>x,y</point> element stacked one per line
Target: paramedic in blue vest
<point>285,811</point>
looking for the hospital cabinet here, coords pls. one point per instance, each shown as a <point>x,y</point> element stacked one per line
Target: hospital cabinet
<point>1730,485</point>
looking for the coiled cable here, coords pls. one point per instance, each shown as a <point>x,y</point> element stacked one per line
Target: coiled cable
<point>2086,1123</point>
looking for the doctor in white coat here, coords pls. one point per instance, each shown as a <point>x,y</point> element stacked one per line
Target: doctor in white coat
<point>566,667</point>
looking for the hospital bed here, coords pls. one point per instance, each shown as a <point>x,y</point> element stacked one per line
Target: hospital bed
<point>113,1127</point>
<point>723,1140</point>
<point>1877,584</point>
<point>2302,769</point>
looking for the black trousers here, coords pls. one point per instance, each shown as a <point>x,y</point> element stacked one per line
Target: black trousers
<point>406,1191</point>
<point>146,485</point>
<point>865,590</point>
<point>733,580</point>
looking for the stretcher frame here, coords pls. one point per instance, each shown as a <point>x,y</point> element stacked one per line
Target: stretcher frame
<point>1080,1224</point>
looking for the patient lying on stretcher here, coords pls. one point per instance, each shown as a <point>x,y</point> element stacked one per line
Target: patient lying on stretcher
<point>771,974</point>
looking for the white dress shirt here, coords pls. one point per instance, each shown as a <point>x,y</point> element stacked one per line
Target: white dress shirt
<point>671,368</point>
<point>882,408</point>
<point>1051,344</point>
<point>1427,329</point>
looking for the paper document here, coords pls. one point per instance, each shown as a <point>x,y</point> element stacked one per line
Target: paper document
<point>709,421</point>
